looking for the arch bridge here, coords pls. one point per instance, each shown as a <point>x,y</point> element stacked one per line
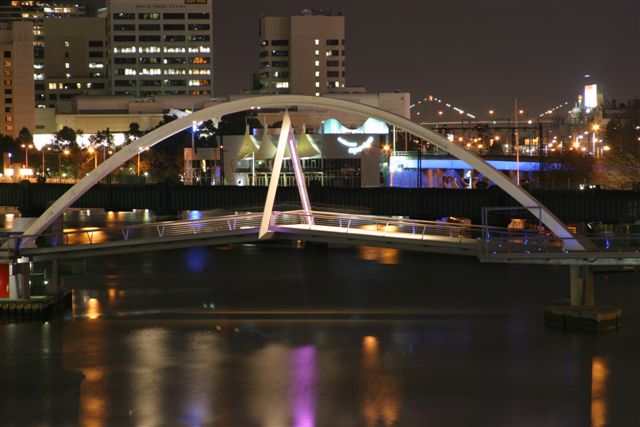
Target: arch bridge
<point>546,217</point>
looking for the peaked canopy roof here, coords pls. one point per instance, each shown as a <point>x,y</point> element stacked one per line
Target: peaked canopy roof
<point>247,147</point>
<point>267,149</point>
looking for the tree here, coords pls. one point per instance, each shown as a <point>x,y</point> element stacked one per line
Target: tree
<point>622,161</point>
<point>569,166</point>
<point>65,144</point>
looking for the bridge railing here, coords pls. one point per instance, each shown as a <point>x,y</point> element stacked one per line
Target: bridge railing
<point>375,225</point>
<point>95,235</point>
<point>495,245</point>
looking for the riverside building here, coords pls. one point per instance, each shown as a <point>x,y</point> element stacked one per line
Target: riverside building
<point>160,47</point>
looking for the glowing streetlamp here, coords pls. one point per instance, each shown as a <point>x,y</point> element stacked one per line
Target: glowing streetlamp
<point>594,139</point>
<point>26,154</point>
<point>91,150</point>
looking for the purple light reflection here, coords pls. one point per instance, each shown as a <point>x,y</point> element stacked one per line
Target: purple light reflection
<point>304,385</point>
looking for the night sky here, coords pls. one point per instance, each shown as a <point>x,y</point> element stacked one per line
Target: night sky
<point>475,54</point>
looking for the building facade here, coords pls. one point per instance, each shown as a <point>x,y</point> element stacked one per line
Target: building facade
<point>75,61</point>
<point>160,47</point>
<point>302,54</point>
<point>16,103</point>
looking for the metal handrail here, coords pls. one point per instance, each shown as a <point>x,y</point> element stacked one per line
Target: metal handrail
<point>387,226</point>
<point>548,244</point>
<point>141,231</point>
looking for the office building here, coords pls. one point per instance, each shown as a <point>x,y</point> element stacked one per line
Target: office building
<point>302,54</point>
<point>160,47</point>
<point>74,63</point>
<point>16,103</point>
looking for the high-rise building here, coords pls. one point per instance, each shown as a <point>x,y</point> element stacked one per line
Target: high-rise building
<point>16,85</point>
<point>160,47</point>
<point>74,60</point>
<point>302,54</point>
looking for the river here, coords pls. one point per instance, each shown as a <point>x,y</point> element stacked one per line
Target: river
<point>284,335</point>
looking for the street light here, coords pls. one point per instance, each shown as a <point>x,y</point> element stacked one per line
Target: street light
<point>26,153</point>
<point>91,150</point>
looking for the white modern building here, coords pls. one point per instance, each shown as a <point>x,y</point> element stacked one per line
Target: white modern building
<point>160,47</point>
<point>302,54</point>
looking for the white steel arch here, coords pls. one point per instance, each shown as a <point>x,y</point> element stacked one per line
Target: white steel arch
<point>216,111</point>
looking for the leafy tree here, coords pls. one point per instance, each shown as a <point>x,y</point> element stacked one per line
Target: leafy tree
<point>568,167</point>
<point>622,161</point>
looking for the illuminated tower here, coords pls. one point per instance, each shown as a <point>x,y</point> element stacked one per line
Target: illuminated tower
<point>302,54</point>
<point>160,47</point>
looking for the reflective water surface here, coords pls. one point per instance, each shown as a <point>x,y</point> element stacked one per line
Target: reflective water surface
<point>276,335</point>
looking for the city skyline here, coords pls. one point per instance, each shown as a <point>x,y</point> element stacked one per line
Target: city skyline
<point>485,53</point>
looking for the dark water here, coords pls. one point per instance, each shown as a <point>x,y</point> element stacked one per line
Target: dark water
<point>216,337</point>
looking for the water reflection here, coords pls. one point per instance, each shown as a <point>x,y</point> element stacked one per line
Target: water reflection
<point>93,308</point>
<point>389,256</point>
<point>304,387</point>
<point>149,351</point>
<point>599,376</point>
<point>84,236</point>
<point>380,398</point>
<point>270,370</point>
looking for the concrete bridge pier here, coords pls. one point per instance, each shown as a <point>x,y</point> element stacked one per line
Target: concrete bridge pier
<point>19,280</point>
<point>581,285</point>
<point>580,312</point>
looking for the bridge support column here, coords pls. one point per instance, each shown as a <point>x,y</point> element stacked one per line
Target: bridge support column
<point>19,286</point>
<point>580,312</point>
<point>581,284</point>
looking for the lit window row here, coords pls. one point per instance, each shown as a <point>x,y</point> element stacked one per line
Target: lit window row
<point>96,65</point>
<point>282,85</point>
<point>156,49</point>
<point>199,82</point>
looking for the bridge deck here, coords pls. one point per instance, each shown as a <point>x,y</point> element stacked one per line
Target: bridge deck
<point>490,244</point>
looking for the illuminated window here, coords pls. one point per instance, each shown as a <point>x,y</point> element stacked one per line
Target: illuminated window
<point>151,71</point>
<point>150,49</point>
<point>199,60</point>
<point>199,82</point>
<point>317,42</point>
<point>317,63</point>
<point>52,86</point>
<point>7,63</point>
<point>317,73</point>
<point>67,65</point>
<point>317,84</point>
<point>8,127</point>
<point>282,85</point>
<point>317,52</point>
<point>97,64</point>
<point>38,76</point>
<point>66,43</point>
<point>200,71</point>
<point>317,93</point>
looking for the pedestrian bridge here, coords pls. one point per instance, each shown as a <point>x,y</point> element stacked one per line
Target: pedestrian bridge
<point>328,227</point>
<point>489,244</point>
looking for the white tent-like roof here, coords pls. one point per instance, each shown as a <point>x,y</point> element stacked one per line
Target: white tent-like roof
<point>247,147</point>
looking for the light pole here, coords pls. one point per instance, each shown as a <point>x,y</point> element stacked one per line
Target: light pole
<point>95,156</point>
<point>595,129</point>
<point>26,153</point>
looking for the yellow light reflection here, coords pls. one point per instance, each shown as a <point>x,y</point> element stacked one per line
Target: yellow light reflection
<point>84,236</point>
<point>380,398</point>
<point>599,376</point>
<point>112,292</point>
<point>93,309</point>
<point>388,256</point>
